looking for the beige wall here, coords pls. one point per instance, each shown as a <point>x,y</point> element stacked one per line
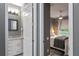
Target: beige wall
<point>56,26</point>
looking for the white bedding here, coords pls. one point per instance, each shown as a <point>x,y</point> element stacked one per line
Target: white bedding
<point>52,43</point>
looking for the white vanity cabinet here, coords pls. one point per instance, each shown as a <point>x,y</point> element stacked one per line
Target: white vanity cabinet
<point>15,46</point>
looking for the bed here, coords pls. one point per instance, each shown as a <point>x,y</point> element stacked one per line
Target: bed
<point>60,43</point>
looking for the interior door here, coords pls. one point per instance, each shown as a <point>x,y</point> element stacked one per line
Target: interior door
<point>46,29</point>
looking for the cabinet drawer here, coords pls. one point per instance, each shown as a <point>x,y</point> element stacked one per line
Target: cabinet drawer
<point>14,47</point>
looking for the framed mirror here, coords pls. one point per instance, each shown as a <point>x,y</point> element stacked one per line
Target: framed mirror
<point>13,25</point>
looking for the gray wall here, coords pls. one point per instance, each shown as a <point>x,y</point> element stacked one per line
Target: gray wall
<point>76,29</point>
<point>2,29</point>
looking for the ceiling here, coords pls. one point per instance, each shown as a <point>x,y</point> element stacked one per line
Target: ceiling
<point>26,6</point>
<point>18,4</point>
<point>55,9</point>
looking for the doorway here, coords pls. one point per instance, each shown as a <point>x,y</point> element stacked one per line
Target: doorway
<point>57,29</point>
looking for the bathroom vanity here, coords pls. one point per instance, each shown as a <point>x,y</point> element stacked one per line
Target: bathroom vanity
<point>15,37</point>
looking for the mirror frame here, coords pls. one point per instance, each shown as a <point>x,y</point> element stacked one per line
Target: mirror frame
<point>9,25</point>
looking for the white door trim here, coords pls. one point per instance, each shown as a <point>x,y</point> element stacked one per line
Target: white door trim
<point>6,29</point>
<point>35,27</point>
<point>70,49</point>
<point>41,29</point>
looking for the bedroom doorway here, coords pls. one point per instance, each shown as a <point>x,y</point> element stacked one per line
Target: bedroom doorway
<point>59,29</point>
<point>56,29</point>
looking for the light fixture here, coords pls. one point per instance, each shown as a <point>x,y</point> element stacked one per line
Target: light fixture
<point>53,30</point>
<point>16,11</point>
<point>9,9</point>
<point>60,17</point>
<point>13,10</point>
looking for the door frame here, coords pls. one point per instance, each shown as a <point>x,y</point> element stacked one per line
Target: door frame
<point>70,49</point>
<point>70,13</point>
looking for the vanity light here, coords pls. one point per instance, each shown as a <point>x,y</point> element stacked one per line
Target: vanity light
<point>16,11</point>
<point>9,9</point>
<point>13,11</point>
